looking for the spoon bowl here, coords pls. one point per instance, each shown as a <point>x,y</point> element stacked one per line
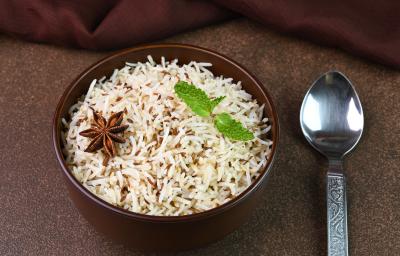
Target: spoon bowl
<point>331,115</point>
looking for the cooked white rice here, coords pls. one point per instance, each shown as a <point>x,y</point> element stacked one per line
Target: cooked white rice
<point>173,162</point>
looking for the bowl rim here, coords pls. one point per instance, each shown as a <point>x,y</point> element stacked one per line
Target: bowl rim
<point>154,218</point>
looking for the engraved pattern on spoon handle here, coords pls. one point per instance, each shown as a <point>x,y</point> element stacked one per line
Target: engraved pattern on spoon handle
<point>337,215</point>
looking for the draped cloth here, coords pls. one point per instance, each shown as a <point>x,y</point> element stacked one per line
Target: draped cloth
<point>362,27</point>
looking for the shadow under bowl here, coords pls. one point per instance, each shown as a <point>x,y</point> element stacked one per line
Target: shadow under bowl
<point>165,233</point>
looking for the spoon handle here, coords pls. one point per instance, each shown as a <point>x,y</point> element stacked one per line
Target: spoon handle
<point>337,214</point>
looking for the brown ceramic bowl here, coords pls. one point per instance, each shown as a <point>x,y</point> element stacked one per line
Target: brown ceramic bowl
<point>160,233</point>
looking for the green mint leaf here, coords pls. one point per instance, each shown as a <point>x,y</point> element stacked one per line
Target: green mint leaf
<point>231,128</point>
<point>196,98</point>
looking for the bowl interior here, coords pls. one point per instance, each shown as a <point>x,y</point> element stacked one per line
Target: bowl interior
<point>221,65</point>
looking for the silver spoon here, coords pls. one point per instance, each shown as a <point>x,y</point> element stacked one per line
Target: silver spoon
<point>332,120</point>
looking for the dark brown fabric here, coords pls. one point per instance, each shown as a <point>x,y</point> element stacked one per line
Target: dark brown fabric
<point>366,28</point>
<point>362,27</point>
<point>104,24</point>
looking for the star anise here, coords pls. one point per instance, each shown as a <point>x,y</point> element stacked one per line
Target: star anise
<point>104,134</point>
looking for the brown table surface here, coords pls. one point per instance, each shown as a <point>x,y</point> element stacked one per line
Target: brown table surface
<point>37,217</point>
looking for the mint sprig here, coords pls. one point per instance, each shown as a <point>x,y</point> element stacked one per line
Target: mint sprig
<point>202,105</point>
